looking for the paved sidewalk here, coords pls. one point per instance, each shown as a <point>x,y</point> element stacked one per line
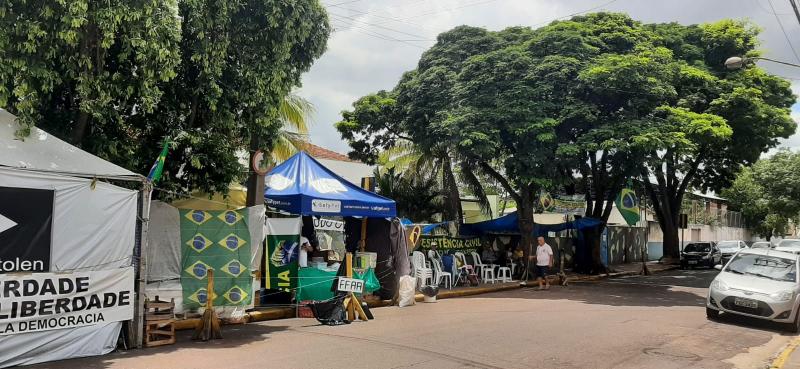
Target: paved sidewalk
<point>789,357</point>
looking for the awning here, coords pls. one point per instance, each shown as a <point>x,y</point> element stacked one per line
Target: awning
<point>301,185</point>
<point>508,224</point>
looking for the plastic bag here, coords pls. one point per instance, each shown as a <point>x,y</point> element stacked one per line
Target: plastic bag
<point>330,312</point>
<point>406,291</point>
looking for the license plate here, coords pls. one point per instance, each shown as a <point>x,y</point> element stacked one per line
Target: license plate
<point>692,261</point>
<point>752,304</point>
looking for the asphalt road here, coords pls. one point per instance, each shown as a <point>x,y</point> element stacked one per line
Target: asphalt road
<point>634,322</point>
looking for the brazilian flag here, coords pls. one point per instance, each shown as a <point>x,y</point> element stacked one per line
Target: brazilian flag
<point>158,166</point>
<point>628,206</point>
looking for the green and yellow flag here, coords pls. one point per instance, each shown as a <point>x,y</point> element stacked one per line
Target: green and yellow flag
<point>628,206</point>
<point>158,166</point>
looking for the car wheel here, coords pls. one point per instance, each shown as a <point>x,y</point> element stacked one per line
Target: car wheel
<point>712,314</point>
<point>794,327</point>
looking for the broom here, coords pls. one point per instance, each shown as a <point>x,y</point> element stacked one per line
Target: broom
<point>209,326</point>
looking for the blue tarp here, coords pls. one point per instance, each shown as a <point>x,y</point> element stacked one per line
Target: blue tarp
<point>428,229</point>
<point>301,185</point>
<point>509,224</point>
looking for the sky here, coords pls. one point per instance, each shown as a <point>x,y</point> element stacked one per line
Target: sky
<point>375,41</point>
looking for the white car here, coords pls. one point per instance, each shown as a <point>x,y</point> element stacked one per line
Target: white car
<point>758,283</point>
<point>730,248</point>
<point>761,245</point>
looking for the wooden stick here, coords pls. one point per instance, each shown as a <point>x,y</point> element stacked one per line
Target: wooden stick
<point>351,313</point>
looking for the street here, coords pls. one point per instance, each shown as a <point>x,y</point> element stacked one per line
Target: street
<point>631,322</point>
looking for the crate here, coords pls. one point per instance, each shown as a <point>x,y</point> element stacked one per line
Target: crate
<point>303,310</point>
<point>159,325</point>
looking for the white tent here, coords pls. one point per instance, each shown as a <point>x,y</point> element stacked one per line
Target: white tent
<point>44,152</point>
<point>61,227</point>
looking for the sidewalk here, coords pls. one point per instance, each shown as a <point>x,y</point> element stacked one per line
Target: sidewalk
<point>268,313</point>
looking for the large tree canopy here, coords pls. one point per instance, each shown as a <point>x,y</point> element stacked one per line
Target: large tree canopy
<point>586,102</point>
<point>119,77</point>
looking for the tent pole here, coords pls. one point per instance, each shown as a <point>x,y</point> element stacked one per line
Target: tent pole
<point>141,282</point>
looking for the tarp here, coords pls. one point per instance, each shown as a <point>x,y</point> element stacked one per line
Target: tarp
<point>509,224</point>
<point>93,229</point>
<point>165,263</point>
<point>301,185</point>
<point>42,151</point>
<point>315,284</point>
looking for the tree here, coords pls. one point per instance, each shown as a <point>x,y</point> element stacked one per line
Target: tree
<point>81,69</point>
<point>416,194</point>
<point>117,79</point>
<point>293,113</point>
<point>768,194</point>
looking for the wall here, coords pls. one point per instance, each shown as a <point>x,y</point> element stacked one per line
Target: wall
<point>625,244</point>
<point>695,232</point>
<point>351,171</point>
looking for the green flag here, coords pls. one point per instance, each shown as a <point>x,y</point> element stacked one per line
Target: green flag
<point>158,166</point>
<point>628,206</point>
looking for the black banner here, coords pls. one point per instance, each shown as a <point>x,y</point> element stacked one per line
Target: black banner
<point>445,244</point>
<point>26,217</point>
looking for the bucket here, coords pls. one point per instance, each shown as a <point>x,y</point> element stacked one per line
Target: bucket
<point>428,298</point>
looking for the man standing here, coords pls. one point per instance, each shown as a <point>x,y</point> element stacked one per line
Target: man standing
<point>544,261</point>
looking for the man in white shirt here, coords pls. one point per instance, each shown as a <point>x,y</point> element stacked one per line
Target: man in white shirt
<point>544,261</point>
<point>305,248</point>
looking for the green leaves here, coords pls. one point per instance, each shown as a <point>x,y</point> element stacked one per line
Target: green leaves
<point>116,77</point>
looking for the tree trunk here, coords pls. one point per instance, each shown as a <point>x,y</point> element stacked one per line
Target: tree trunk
<point>451,191</point>
<point>255,181</point>
<point>525,221</point>
<point>671,240</point>
<point>79,132</point>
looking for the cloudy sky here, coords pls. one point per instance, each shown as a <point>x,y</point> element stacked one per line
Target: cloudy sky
<point>375,41</point>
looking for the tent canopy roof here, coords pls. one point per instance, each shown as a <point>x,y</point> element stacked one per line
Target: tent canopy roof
<point>509,224</point>
<point>44,152</point>
<point>301,185</point>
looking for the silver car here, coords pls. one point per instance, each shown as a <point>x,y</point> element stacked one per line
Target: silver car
<point>758,283</point>
<point>761,245</point>
<point>730,248</point>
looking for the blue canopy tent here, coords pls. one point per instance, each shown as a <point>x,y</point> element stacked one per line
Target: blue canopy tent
<point>509,224</point>
<point>301,185</point>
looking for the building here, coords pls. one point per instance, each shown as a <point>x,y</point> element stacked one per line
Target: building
<point>349,169</point>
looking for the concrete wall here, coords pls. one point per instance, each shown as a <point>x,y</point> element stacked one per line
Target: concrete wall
<point>625,244</point>
<point>695,232</point>
<point>351,171</point>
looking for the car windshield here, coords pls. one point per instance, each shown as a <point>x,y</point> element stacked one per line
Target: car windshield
<point>761,245</point>
<point>790,243</point>
<point>770,267</point>
<point>728,245</point>
<point>697,247</point>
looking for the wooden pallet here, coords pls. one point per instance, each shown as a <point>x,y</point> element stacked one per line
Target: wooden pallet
<point>159,322</point>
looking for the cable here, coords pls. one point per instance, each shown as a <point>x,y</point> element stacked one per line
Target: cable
<point>373,13</point>
<point>786,36</point>
<point>796,11</point>
<point>449,9</point>
<point>576,13</point>
<point>376,25</point>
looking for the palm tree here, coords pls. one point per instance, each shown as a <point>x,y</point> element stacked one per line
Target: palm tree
<point>294,112</point>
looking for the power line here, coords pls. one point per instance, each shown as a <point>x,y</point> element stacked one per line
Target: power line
<point>449,9</point>
<point>381,36</point>
<point>796,12</point>
<point>576,13</point>
<point>786,36</point>
<point>373,13</point>
<point>377,25</point>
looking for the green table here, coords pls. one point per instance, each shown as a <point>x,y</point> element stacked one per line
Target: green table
<point>315,284</point>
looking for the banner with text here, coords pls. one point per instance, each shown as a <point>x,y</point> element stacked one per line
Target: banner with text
<point>48,301</point>
<point>446,244</point>
<point>283,249</point>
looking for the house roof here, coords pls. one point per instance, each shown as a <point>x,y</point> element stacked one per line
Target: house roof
<point>318,152</point>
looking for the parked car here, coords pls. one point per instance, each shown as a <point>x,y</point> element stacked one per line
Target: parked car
<point>789,242</point>
<point>730,248</point>
<point>758,283</point>
<point>761,245</point>
<point>700,254</point>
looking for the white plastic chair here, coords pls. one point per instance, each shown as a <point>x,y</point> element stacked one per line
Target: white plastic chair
<point>440,274</point>
<point>504,274</point>
<point>421,272</point>
<point>486,270</point>
<point>467,269</point>
<point>459,274</point>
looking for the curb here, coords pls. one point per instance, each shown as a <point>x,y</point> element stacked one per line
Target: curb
<point>288,313</point>
<point>783,357</point>
<point>593,278</point>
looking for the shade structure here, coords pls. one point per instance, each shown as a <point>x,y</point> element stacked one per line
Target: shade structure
<point>301,185</point>
<point>510,224</point>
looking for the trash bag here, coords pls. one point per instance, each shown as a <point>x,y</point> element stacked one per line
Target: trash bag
<point>330,312</point>
<point>430,291</point>
<point>406,291</point>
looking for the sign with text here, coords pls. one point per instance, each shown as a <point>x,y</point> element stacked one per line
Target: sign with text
<point>322,224</point>
<point>350,285</point>
<point>48,301</point>
<point>326,206</point>
<point>26,217</point>
<point>445,244</point>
